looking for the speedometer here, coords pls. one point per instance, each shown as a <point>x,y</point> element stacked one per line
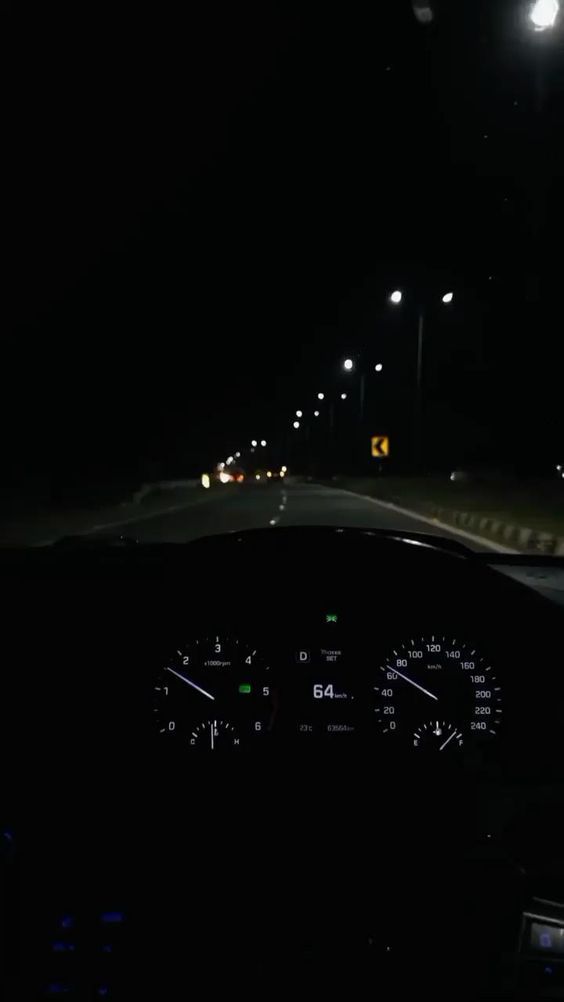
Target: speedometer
<point>437,692</point>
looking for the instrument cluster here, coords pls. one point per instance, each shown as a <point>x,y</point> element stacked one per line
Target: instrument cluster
<point>431,693</point>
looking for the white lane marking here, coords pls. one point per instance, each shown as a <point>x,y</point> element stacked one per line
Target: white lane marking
<point>138,518</point>
<point>453,530</point>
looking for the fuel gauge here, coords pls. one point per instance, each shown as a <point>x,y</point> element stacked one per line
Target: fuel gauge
<point>438,736</point>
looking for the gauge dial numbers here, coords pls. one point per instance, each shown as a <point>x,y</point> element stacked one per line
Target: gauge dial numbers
<point>214,692</point>
<point>432,689</point>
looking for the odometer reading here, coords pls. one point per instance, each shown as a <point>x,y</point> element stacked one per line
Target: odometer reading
<point>433,685</point>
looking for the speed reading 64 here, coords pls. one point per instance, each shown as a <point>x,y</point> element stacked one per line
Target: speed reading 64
<point>442,682</point>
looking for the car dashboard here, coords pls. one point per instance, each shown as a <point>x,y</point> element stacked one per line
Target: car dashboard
<point>329,720</point>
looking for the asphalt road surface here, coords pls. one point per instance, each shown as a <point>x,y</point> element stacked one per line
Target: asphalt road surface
<point>252,506</point>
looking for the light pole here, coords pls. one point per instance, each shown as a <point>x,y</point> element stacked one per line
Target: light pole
<point>331,403</point>
<point>349,366</point>
<point>396,298</point>
<point>543,16</point>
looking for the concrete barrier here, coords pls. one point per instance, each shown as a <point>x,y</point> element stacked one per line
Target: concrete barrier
<point>517,537</point>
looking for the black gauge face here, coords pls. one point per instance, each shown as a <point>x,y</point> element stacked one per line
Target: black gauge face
<point>214,735</point>
<point>437,693</point>
<point>215,690</point>
<point>438,736</point>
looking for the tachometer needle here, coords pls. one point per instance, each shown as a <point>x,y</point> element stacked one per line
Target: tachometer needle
<point>188,682</point>
<point>411,682</point>
<point>445,743</point>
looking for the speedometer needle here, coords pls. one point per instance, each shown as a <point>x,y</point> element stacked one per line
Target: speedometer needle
<point>411,682</point>
<point>188,682</point>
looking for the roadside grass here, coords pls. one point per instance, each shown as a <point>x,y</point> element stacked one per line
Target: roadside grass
<point>536,505</point>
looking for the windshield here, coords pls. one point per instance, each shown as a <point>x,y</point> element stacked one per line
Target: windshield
<point>271,265</point>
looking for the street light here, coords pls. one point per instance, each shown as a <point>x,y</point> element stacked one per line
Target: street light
<point>254,443</point>
<point>229,460</point>
<point>396,297</point>
<point>543,14</point>
<point>343,396</point>
<point>423,11</point>
<point>316,413</point>
<point>296,425</point>
<point>321,396</point>
<point>237,455</point>
<point>299,414</point>
<point>378,367</point>
<point>348,365</point>
<point>263,443</point>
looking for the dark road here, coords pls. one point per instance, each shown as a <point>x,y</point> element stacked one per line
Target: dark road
<point>232,509</point>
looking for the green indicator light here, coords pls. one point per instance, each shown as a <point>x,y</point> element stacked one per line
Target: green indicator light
<point>330,617</point>
<point>245,687</point>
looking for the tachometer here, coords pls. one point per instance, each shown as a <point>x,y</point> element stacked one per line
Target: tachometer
<point>210,681</point>
<point>437,692</point>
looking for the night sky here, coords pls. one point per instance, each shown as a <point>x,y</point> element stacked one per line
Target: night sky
<point>204,207</point>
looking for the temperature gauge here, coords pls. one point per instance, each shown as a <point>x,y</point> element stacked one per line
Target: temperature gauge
<point>214,735</point>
